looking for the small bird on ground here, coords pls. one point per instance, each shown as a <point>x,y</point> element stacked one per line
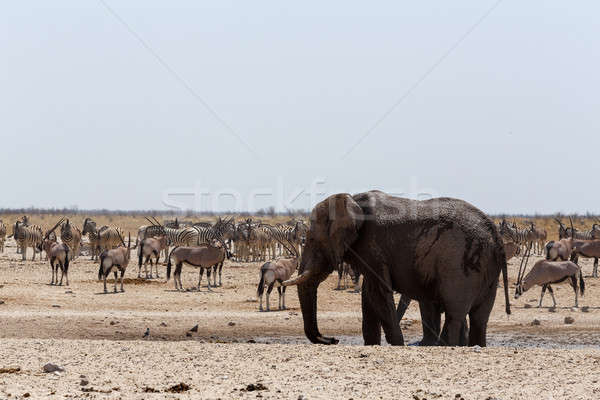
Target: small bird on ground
<point>194,329</point>
<point>147,333</point>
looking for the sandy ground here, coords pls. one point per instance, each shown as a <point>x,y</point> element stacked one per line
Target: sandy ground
<point>100,336</point>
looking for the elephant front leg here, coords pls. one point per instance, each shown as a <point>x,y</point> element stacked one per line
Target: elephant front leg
<point>371,326</point>
<point>379,311</point>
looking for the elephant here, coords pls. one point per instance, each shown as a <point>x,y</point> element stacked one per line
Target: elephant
<point>442,252</point>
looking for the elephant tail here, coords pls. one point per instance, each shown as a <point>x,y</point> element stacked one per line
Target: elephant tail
<point>502,259</point>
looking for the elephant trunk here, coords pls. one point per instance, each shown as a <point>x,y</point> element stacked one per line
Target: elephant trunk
<point>307,293</point>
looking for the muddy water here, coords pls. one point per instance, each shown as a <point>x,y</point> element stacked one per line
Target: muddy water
<point>556,341</point>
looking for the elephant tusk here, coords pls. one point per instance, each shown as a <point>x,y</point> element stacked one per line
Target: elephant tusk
<point>300,279</point>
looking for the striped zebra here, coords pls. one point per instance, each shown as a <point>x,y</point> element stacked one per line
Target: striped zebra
<point>149,231</point>
<point>256,240</point>
<point>521,237</point>
<point>282,234</point>
<point>209,233</point>
<point>296,233</point>
<point>71,236</point>
<point>27,236</point>
<point>565,233</point>
<point>105,238</point>
<point>2,236</point>
<point>541,236</point>
<point>25,221</point>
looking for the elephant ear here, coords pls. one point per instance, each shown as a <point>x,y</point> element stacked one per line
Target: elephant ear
<point>345,219</point>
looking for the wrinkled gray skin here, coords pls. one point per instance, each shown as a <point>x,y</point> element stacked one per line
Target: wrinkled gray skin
<point>443,252</point>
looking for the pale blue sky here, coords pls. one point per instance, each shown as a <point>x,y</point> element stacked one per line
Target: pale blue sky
<point>509,120</point>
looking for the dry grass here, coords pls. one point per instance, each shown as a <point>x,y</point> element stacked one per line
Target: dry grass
<point>128,223</point>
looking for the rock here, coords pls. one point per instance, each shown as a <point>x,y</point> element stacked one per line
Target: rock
<point>114,322</point>
<point>69,292</point>
<point>84,382</point>
<point>527,305</point>
<point>251,341</point>
<point>585,309</point>
<point>231,323</point>
<point>180,388</point>
<point>55,305</point>
<point>477,349</point>
<point>1,301</point>
<point>569,320</point>
<point>163,324</point>
<point>52,368</point>
<point>302,397</point>
<point>26,394</point>
<point>194,329</point>
<point>535,322</point>
<point>188,334</point>
<point>253,387</point>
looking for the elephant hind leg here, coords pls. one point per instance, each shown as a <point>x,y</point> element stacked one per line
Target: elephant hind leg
<point>478,320</point>
<point>431,321</point>
<point>452,331</point>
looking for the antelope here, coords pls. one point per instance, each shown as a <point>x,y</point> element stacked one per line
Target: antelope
<point>71,236</point>
<point>147,248</point>
<point>278,271</point>
<point>205,256</point>
<point>116,259</point>
<point>2,236</point>
<point>544,273</point>
<point>48,239</point>
<point>57,253</point>
<point>573,248</point>
<point>59,256</point>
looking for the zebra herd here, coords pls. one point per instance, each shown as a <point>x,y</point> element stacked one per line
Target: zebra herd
<point>250,240</point>
<point>523,238</point>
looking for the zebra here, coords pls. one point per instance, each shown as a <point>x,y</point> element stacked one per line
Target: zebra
<point>296,232</point>
<point>25,221</point>
<point>538,238</point>
<point>71,236</point>
<point>105,238</point>
<point>2,236</point>
<point>521,237</point>
<point>89,228</point>
<point>282,234</point>
<point>27,236</point>
<point>565,233</point>
<point>256,240</point>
